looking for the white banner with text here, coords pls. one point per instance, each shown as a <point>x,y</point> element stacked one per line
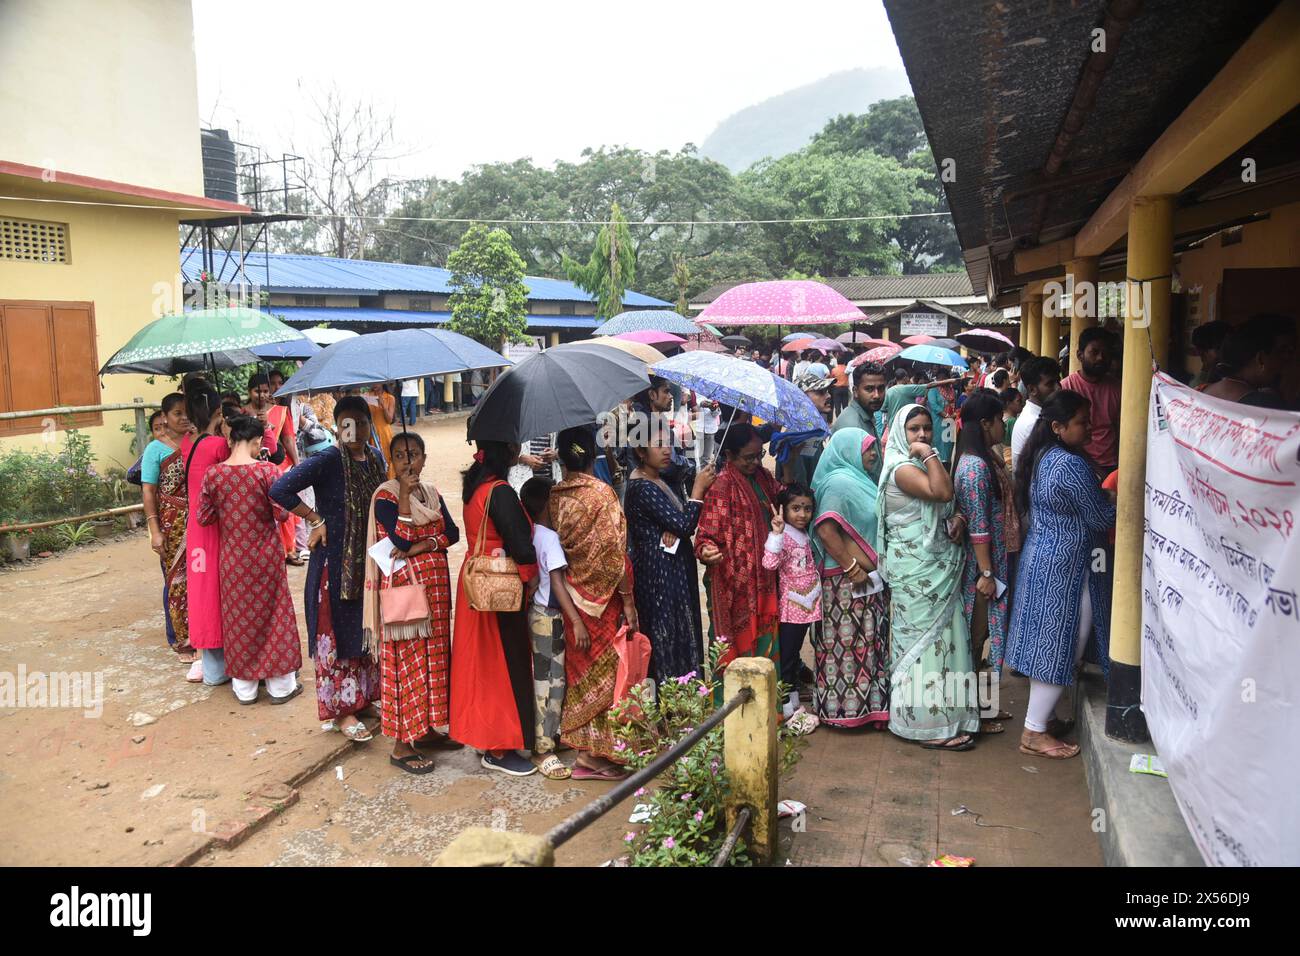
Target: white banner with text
<point>1221,622</point>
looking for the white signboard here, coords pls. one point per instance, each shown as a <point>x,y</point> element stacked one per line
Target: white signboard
<point>1220,620</point>
<point>923,323</point>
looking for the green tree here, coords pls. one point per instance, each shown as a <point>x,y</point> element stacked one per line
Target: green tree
<point>610,269</point>
<point>490,301</point>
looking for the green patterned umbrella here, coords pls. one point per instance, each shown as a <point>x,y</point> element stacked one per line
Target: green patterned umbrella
<point>204,338</point>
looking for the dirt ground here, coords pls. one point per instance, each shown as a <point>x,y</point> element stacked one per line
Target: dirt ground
<point>166,764</point>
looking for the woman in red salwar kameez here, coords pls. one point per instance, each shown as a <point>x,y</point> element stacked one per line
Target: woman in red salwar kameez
<point>593,532</point>
<point>280,422</point>
<point>492,660</point>
<point>416,668</point>
<point>258,629</point>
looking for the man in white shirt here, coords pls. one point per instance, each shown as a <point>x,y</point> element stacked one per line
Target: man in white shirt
<point>410,400</point>
<point>1041,378</point>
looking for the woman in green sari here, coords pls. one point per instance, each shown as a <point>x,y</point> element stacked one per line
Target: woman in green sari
<point>933,690</point>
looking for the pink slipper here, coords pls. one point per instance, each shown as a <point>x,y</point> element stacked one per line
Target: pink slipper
<point>609,773</point>
<point>195,674</point>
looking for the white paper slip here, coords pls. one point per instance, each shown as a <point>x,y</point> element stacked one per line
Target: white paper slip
<point>873,585</point>
<point>386,556</point>
<point>1147,763</point>
<point>1002,588</point>
<point>673,550</point>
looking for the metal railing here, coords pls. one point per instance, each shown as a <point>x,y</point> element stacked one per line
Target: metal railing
<point>567,829</point>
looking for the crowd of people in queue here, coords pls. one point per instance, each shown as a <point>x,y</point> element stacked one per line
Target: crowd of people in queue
<point>948,525</point>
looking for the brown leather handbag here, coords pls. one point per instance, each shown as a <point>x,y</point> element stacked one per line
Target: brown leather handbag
<point>492,581</point>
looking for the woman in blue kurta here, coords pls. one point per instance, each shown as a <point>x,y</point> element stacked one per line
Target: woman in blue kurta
<point>344,478</point>
<point>1058,604</point>
<point>665,584</point>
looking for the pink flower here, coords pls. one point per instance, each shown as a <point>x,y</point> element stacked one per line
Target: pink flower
<point>704,690</point>
<point>690,675</point>
<point>687,796</point>
<point>629,837</point>
<point>640,792</point>
<point>683,679</point>
<point>620,746</point>
<point>669,843</point>
<point>699,815</point>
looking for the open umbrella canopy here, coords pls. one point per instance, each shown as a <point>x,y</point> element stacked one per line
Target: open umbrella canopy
<point>945,344</point>
<point>930,355</point>
<point>389,357</point>
<point>796,336</point>
<point>918,340</point>
<point>736,341</point>
<point>781,302</point>
<point>637,320</point>
<point>300,348</point>
<point>860,338</point>
<point>985,340</point>
<point>325,336</point>
<point>215,338</point>
<point>646,353</point>
<point>880,355</point>
<point>827,345</point>
<point>562,387</point>
<point>650,337</point>
<point>745,386</point>
<point>797,345</point>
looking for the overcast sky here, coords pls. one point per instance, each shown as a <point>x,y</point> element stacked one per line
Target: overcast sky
<point>471,82</point>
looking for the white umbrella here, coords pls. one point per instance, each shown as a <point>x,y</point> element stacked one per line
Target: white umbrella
<point>328,336</point>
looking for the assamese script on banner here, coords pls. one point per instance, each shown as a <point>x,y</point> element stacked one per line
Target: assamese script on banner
<point>1221,622</point>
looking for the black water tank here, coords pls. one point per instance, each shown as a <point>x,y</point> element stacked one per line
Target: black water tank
<point>220,168</point>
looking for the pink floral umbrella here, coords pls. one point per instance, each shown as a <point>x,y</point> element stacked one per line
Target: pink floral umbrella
<point>651,337</point>
<point>880,355</point>
<point>918,340</point>
<point>985,340</point>
<point>781,302</point>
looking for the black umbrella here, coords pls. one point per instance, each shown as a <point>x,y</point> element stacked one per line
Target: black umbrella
<point>736,342</point>
<point>564,386</point>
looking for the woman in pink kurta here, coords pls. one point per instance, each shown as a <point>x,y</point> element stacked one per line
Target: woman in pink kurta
<point>258,630</point>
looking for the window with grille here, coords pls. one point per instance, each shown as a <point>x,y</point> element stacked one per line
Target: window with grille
<point>419,304</point>
<point>317,301</point>
<point>28,240</point>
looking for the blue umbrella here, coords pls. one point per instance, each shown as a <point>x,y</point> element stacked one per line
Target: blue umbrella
<point>745,386</point>
<point>660,320</point>
<point>930,355</point>
<point>300,348</point>
<point>389,357</point>
<point>796,336</point>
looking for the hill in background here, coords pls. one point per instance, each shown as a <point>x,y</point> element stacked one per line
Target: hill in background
<point>785,122</point>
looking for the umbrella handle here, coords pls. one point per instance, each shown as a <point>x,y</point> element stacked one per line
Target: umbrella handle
<point>723,440</point>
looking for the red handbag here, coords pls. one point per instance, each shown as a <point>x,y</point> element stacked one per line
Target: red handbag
<point>633,661</point>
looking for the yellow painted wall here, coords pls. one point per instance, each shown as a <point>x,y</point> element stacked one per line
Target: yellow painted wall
<point>1271,244</point>
<point>117,258</point>
<point>105,89</point>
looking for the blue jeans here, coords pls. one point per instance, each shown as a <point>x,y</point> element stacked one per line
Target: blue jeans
<point>410,408</point>
<point>214,667</point>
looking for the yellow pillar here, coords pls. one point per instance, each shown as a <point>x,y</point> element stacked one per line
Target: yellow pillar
<point>750,751</point>
<point>555,339</point>
<point>1031,315</point>
<point>1082,274</point>
<point>1024,326</point>
<point>884,333</point>
<point>1146,323</point>
<point>1050,336</point>
<point>448,394</point>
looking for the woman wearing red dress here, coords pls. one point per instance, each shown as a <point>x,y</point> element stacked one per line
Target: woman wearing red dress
<point>280,422</point>
<point>492,668</point>
<point>416,668</point>
<point>258,628</point>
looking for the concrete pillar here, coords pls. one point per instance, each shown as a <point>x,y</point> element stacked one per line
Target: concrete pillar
<point>1049,339</point>
<point>448,394</point>
<point>749,748</point>
<point>1146,324</point>
<point>1031,316</point>
<point>1082,275</point>
<point>555,339</point>
<point>479,846</point>
<point>1024,325</point>
<point>884,333</point>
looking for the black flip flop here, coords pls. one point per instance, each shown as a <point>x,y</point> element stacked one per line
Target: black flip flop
<point>943,745</point>
<point>404,763</point>
<point>287,697</point>
<point>436,741</point>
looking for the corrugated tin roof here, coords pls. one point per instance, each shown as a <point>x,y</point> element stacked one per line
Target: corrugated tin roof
<point>858,289</point>
<point>326,275</point>
<point>308,315</point>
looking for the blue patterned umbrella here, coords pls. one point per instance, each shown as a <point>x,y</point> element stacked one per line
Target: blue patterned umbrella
<point>745,386</point>
<point>301,348</point>
<point>931,355</point>
<point>660,320</point>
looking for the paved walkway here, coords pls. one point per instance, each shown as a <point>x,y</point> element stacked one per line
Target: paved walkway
<point>876,800</point>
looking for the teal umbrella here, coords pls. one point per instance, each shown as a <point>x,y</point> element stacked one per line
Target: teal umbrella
<point>204,338</point>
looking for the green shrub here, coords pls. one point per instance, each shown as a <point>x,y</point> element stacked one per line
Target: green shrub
<point>38,485</point>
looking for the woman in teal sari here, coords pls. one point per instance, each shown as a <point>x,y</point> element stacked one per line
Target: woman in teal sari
<point>851,644</point>
<point>933,689</point>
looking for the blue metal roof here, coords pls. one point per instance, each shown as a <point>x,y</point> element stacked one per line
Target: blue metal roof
<point>325,275</point>
<point>307,315</point>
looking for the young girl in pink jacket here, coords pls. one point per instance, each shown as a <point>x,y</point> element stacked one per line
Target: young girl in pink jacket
<point>789,552</point>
